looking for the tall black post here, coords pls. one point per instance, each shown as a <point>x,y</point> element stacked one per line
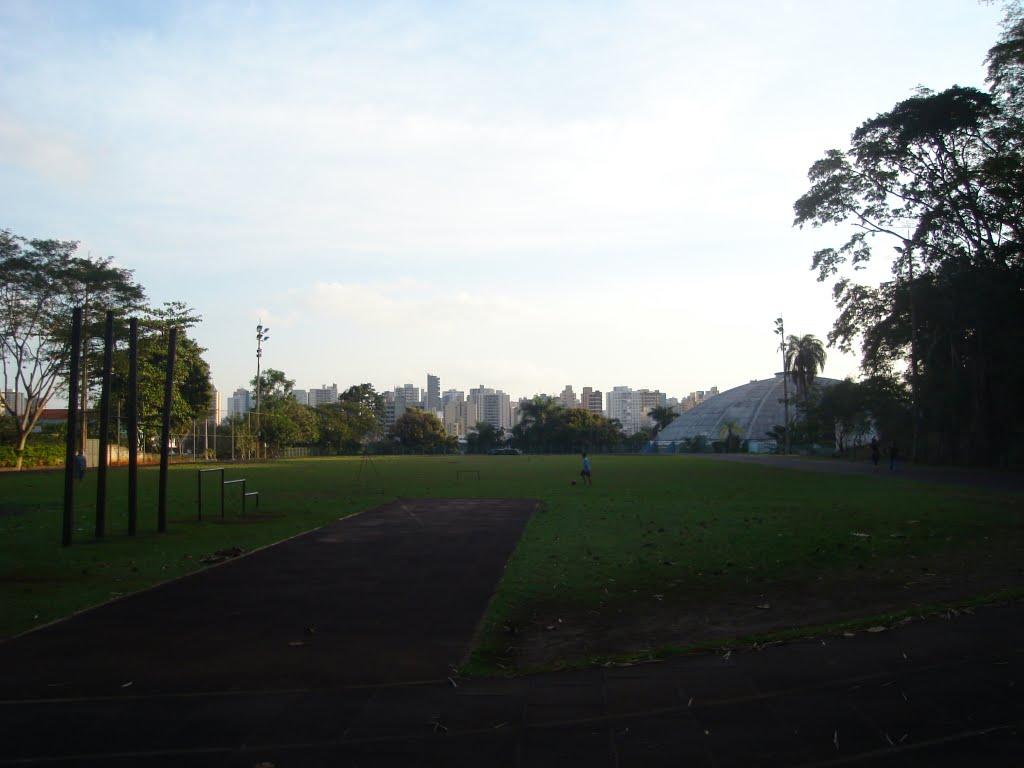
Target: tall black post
<point>69,453</point>
<point>133,425</point>
<point>165,432</point>
<point>101,464</point>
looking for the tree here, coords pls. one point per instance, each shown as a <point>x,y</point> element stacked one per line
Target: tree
<point>805,356</point>
<point>662,417</point>
<point>842,413</point>
<point>483,437</point>
<point>941,177</point>
<point>538,422</point>
<point>366,397</point>
<point>286,422</point>
<point>731,431</point>
<point>418,430</point>
<point>192,390</point>
<point>273,384</point>
<point>346,425</point>
<point>41,281</point>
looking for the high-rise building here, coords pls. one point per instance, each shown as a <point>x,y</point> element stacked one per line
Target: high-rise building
<point>323,395</point>
<point>493,406</point>
<point>460,416</point>
<point>568,397</point>
<point>631,407</point>
<point>432,400</point>
<point>452,394</point>
<point>394,407</point>
<point>215,415</point>
<point>410,395</point>
<point>300,396</point>
<point>592,400</point>
<point>696,397</point>
<point>624,405</point>
<point>15,401</point>
<point>648,402</point>
<point>240,403</point>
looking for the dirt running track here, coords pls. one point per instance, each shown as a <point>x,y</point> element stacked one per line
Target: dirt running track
<point>391,595</point>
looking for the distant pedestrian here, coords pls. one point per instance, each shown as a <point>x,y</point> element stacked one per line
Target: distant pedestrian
<point>875,451</point>
<point>80,465</point>
<point>585,472</point>
<point>894,453</point>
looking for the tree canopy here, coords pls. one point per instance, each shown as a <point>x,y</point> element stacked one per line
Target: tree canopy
<point>41,282</point>
<point>420,431</point>
<point>938,180</point>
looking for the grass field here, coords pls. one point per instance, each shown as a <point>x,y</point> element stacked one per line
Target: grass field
<point>662,552</point>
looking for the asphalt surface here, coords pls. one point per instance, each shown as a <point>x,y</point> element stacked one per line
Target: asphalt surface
<point>337,648</point>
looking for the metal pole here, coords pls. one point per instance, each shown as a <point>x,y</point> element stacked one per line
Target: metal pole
<point>165,434</point>
<point>69,453</point>
<point>262,334</point>
<point>780,329</point>
<point>101,464</point>
<point>133,425</point>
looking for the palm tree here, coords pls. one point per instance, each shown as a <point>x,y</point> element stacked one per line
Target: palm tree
<point>537,418</point>
<point>731,430</point>
<point>662,416</point>
<point>805,356</point>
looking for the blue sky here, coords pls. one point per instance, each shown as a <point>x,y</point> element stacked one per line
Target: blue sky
<point>522,195</point>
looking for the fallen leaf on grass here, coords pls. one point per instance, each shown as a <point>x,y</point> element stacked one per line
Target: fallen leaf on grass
<point>764,606</point>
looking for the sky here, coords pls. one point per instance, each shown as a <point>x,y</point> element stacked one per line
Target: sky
<point>522,195</point>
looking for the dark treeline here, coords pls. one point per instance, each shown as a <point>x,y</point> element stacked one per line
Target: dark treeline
<point>936,186</point>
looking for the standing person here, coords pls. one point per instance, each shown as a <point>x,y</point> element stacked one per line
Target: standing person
<point>893,453</point>
<point>585,472</point>
<point>80,465</point>
<point>875,452</point>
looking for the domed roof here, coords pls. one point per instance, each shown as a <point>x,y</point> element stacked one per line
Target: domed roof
<point>756,408</point>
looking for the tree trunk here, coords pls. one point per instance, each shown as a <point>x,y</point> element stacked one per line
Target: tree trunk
<point>22,439</point>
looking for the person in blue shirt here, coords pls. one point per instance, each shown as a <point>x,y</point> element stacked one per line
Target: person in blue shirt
<point>585,472</point>
<point>79,466</point>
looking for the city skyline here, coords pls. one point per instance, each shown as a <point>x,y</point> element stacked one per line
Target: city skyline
<point>595,192</point>
<point>444,390</point>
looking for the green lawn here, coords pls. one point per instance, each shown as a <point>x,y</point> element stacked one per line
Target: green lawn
<point>652,530</point>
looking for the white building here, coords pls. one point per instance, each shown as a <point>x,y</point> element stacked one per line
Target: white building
<point>568,397</point>
<point>493,406</point>
<point>323,395</point>
<point>15,401</point>
<point>300,396</point>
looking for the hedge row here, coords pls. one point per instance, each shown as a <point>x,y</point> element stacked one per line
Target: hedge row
<point>34,456</point>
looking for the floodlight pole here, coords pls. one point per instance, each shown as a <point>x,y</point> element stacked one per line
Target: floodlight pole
<point>780,329</point>
<point>262,334</point>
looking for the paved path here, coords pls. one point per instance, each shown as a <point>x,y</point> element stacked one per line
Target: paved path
<point>220,669</point>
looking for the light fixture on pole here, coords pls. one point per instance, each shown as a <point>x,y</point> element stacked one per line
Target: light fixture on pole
<point>262,334</point>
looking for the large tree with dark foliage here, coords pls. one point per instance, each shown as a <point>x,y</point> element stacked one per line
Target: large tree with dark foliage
<point>938,183</point>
